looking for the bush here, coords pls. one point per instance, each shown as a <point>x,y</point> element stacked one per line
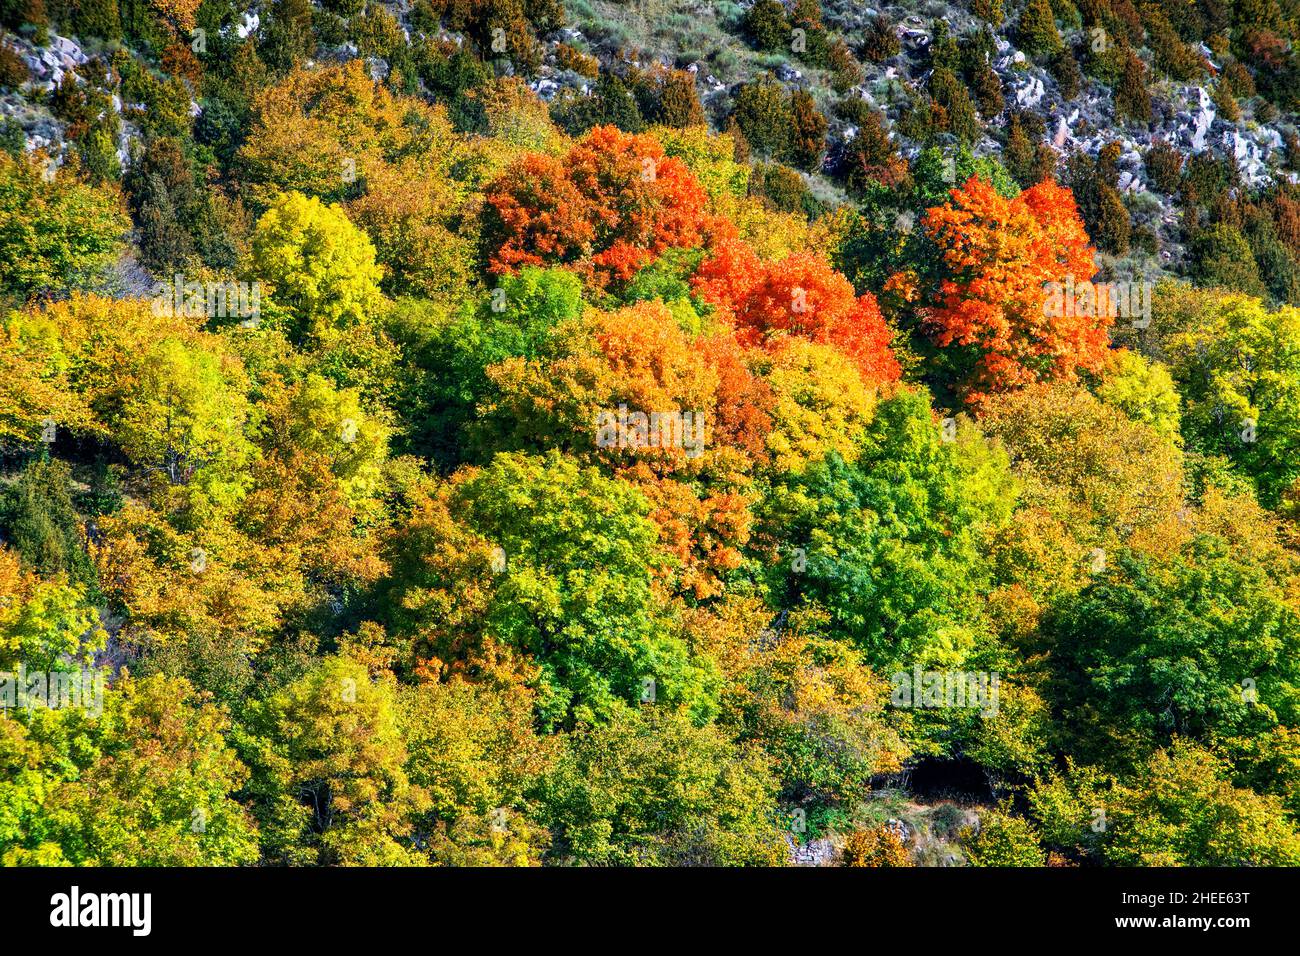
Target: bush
<point>878,846</point>
<point>879,41</point>
<point>1164,166</point>
<point>781,186</point>
<point>1036,29</point>
<point>1002,840</point>
<point>1222,257</point>
<point>766,26</point>
<point>13,71</point>
<point>762,111</point>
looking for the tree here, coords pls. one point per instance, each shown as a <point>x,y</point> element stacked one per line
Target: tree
<point>807,701</point>
<point>1240,384</point>
<point>1069,78</point>
<point>893,538</point>
<point>612,204</point>
<point>181,413</point>
<point>679,103</point>
<point>652,788</point>
<point>950,94</point>
<point>766,25</point>
<point>288,37</point>
<point>151,782</point>
<point>44,624</point>
<point>800,296</point>
<point>328,779</point>
<point>1131,97</point>
<point>326,132</point>
<point>993,302</point>
<point>1002,840</point>
<point>414,216</point>
<point>821,405</point>
<point>1142,390</point>
<point>1222,257</point>
<point>1181,809</point>
<point>41,524</point>
<point>322,267</point>
<point>576,592</point>
<point>1156,648</point>
<point>763,112</point>
<point>808,137</point>
<point>879,40</point>
<point>56,233</point>
<point>1036,29</point>
<point>1107,476</point>
<point>873,158</point>
<point>472,747</point>
<point>1164,165</point>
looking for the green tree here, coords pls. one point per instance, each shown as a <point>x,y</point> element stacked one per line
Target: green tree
<point>893,539</point>
<point>1221,256</point>
<point>1002,840</point>
<point>322,268</point>
<point>1181,809</point>
<point>56,233</point>
<point>1036,29</point>
<point>40,522</point>
<point>651,788</point>
<point>762,110</point>
<point>1240,382</point>
<point>328,779</point>
<point>150,782</point>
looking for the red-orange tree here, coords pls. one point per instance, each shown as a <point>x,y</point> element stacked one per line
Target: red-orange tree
<point>612,204</point>
<point>800,295</point>
<point>997,256</point>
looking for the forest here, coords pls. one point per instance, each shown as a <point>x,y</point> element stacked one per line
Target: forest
<point>492,433</point>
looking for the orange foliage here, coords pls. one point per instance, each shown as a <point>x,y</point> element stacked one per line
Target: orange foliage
<point>998,255</point>
<point>540,215</point>
<point>612,204</point>
<point>800,295</point>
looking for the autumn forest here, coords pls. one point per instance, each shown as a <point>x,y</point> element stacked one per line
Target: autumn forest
<point>435,435</point>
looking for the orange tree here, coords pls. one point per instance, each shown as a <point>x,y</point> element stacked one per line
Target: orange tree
<point>611,205</point>
<point>989,310</point>
<point>799,296</point>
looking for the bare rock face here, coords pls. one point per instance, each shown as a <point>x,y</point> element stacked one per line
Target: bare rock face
<point>813,853</point>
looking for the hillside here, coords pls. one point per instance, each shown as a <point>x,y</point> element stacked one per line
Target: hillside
<point>539,433</point>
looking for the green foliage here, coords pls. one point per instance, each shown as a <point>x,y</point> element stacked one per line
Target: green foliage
<point>650,788</point>
<point>577,593</point>
<point>1002,840</point>
<point>38,521</point>
<point>1156,649</point>
<point>1037,29</point>
<point>763,113</point>
<point>321,267</point>
<point>327,770</point>
<point>1222,257</point>
<point>518,318</point>
<point>55,233</point>
<point>893,539</point>
<point>151,782</point>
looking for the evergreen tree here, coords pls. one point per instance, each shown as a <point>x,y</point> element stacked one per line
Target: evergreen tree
<point>1132,100</point>
<point>41,524</point>
<point>1036,29</point>
<point>679,103</point>
<point>808,142</point>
